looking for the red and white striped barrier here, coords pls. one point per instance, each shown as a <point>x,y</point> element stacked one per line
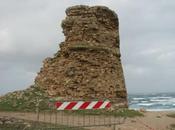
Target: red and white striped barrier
<point>82,105</point>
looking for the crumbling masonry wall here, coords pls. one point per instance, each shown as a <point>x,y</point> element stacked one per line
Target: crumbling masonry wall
<point>88,65</point>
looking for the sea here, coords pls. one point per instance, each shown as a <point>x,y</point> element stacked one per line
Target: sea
<point>152,102</point>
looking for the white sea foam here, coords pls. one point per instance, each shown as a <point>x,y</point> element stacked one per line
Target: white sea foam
<point>144,101</point>
<point>162,100</point>
<point>158,100</point>
<point>171,109</point>
<point>160,97</point>
<point>134,102</point>
<point>146,104</point>
<point>138,98</point>
<point>172,100</point>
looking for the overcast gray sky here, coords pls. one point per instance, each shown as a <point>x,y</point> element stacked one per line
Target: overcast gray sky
<point>30,31</point>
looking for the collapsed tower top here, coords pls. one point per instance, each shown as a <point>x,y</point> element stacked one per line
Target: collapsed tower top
<point>97,24</point>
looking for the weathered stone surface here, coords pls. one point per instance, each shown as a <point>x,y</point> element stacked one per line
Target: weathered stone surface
<point>88,65</point>
<point>7,122</point>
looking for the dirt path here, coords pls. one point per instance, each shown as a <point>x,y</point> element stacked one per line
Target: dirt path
<point>151,120</point>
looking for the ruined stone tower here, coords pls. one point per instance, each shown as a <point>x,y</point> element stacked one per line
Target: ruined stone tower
<point>88,64</point>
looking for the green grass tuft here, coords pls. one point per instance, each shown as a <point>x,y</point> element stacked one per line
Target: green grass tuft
<point>26,100</point>
<point>172,115</point>
<point>172,127</point>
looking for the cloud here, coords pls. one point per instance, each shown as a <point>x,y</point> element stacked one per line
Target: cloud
<point>30,31</point>
<point>5,40</point>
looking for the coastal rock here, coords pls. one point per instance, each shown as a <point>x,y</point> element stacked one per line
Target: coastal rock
<point>88,65</point>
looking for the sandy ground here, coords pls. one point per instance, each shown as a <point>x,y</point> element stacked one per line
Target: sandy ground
<point>151,120</point>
